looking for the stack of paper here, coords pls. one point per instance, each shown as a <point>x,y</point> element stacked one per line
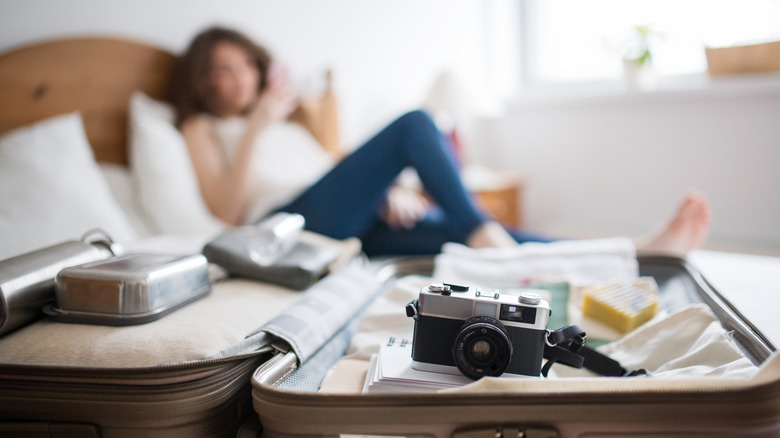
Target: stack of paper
<point>391,371</point>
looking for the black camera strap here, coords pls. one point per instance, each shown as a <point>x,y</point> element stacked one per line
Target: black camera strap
<point>566,345</point>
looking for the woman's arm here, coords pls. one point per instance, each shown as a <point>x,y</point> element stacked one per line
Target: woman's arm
<point>226,187</point>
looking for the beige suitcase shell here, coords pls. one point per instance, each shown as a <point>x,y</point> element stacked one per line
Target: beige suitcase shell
<point>196,384</point>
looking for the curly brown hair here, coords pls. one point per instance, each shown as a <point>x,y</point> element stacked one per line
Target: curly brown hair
<point>191,91</point>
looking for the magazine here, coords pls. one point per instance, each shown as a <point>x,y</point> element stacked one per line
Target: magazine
<point>390,371</point>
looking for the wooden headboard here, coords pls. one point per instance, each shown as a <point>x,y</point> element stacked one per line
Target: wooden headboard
<point>97,76</point>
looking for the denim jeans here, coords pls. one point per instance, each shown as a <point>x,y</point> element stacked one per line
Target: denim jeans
<point>346,202</point>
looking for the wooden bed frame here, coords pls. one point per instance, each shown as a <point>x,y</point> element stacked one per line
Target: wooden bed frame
<point>97,76</point>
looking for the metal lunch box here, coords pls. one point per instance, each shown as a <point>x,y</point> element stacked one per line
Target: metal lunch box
<point>27,280</point>
<point>131,289</point>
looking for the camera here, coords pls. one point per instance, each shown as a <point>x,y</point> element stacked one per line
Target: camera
<point>478,332</point>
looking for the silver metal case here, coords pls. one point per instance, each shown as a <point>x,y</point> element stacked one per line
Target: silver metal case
<point>131,289</point>
<point>27,280</point>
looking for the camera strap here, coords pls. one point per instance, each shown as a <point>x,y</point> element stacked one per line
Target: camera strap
<point>566,345</point>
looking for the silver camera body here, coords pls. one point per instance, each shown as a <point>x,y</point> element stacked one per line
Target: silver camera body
<point>478,332</point>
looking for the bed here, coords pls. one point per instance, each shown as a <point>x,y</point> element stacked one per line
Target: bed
<point>124,170</point>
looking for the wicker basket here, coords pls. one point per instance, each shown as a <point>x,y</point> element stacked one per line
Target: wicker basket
<point>754,58</point>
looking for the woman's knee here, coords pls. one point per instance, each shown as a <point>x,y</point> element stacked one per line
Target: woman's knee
<point>416,119</point>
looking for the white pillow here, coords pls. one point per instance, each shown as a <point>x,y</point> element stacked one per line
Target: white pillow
<point>120,182</point>
<point>161,166</point>
<point>51,188</point>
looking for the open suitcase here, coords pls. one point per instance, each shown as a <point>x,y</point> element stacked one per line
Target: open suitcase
<point>288,357</point>
<point>646,409</point>
<point>82,391</point>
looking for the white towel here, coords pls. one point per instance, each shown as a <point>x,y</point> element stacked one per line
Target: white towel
<point>575,261</point>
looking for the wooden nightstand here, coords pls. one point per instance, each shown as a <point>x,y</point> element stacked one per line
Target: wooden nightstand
<point>499,193</point>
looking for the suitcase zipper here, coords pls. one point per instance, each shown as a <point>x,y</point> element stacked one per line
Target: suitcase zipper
<point>139,375</point>
<point>124,397</point>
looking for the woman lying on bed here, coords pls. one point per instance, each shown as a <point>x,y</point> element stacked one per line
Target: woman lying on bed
<point>232,104</point>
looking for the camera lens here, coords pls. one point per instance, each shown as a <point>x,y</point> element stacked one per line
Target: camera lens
<point>482,348</point>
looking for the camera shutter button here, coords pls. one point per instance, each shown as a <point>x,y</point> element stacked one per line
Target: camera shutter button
<point>438,287</point>
<point>529,298</point>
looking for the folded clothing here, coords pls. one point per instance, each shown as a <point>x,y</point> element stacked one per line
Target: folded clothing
<point>688,343</point>
<point>574,261</point>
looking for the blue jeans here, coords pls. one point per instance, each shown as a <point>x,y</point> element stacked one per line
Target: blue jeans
<point>346,202</point>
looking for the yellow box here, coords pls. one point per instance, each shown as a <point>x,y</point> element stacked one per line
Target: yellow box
<point>622,305</point>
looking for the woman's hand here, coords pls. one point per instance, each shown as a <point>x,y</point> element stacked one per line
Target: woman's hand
<point>276,102</point>
<point>405,207</point>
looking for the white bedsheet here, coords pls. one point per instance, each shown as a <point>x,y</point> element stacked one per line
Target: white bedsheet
<point>750,282</point>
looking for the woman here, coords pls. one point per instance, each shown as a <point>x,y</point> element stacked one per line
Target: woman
<point>232,103</point>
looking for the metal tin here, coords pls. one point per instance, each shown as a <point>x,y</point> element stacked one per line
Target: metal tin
<point>131,289</point>
<point>27,280</point>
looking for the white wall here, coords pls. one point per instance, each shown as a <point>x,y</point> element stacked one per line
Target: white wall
<point>617,164</point>
<point>385,54</point>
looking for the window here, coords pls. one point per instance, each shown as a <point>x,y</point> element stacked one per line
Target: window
<point>568,41</point>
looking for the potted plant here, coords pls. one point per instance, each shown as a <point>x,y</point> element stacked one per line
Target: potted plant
<point>638,70</point>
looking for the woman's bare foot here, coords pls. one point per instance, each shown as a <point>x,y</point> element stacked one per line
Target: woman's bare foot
<point>687,230</point>
<point>491,235</point>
